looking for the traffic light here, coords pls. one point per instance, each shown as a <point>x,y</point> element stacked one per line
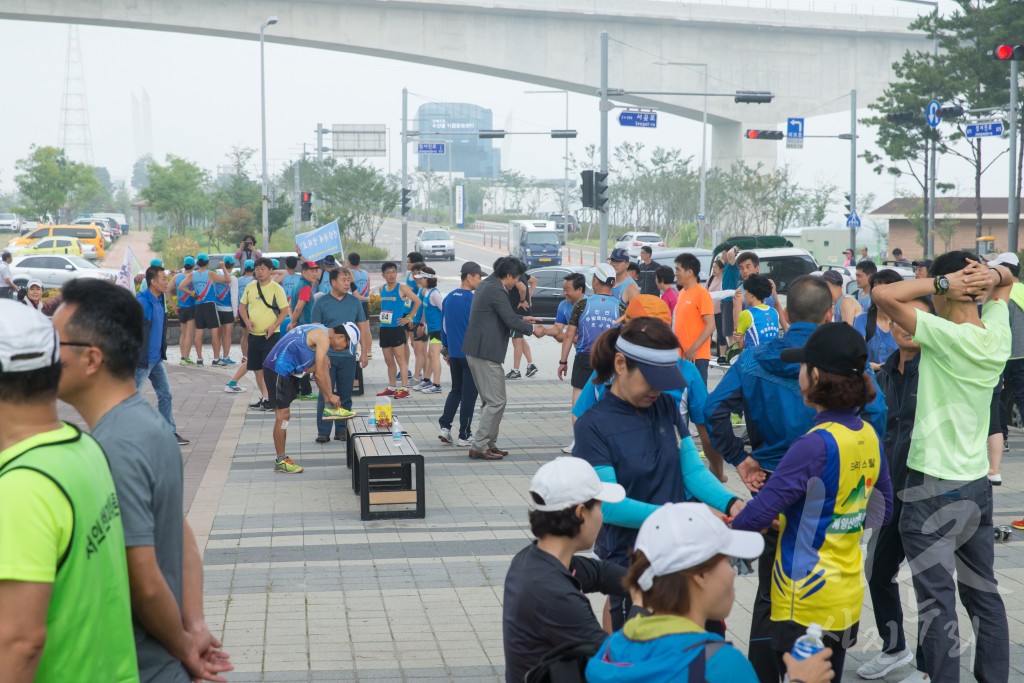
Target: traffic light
<point>600,191</point>
<point>765,135</point>
<point>753,97</point>
<point>903,117</point>
<point>1006,53</point>
<point>406,200</point>
<point>848,205</point>
<point>949,112</point>
<point>587,188</point>
<point>307,205</point>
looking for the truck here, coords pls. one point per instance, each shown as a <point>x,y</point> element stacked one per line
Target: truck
<point>824,244</point>
<point>535,243</point>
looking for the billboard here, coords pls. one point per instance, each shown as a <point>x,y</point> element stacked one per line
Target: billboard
<point>359,140</point>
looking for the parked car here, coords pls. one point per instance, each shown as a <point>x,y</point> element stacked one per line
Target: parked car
<point>849,274</point>
<point>88,235</point>
<point>54,270</point>
<point>104,227</point>
<point>667,257</point>
<point>565,221</point>
<point>632,241</point>
<point>52,245</point>
<point>121,219</point>
<point>435,243</point>
<point>10,222</point>
<point>548,293</point>
<point>783,265</point>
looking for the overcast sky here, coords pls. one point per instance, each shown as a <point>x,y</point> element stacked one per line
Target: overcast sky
<point>204,94</point>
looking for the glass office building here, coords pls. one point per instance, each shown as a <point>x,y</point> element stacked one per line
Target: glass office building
<point>439,121</point>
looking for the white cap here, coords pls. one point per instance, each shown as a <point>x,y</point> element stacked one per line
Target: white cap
<point>566,482</point>
<point>27,339</point>
<point>678,536</point>
<point>604,272</point>
<point>353,335</point>
<point>34,283</point>
<point>1007,258</point>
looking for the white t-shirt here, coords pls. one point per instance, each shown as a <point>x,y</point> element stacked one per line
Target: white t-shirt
<point>5,274</point>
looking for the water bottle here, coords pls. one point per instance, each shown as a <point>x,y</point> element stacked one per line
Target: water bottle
<point>396,434</point>
<point>807,645</point>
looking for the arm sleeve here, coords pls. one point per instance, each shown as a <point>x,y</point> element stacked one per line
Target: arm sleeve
<point>698,480</point>
<point>35,526</point>
<point>577,312</point>
<point>726,399</point>
<point>589,396</point>
<point>698,393</point>
<point>435,299</point>
<point>629,513</point>
<point>804,460</point>
<point>745,321</point>
<point>598,576</point>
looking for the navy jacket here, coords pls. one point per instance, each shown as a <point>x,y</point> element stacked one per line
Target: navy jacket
<point>901,396</point>
<point>767,391</point>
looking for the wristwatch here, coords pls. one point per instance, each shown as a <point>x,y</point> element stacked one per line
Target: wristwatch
<point>941,284</point>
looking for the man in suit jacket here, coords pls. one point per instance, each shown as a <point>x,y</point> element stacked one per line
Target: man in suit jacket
<point>491,321</point>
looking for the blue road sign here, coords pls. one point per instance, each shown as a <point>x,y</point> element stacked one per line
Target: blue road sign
<point>430,148</point>
<point>984,129</point>
<point>638,119</point>
<point>932,113</point>
<point>853,220</point>
<point>794,128</point>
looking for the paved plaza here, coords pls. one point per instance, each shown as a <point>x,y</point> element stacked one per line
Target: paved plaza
<point>300,589</point>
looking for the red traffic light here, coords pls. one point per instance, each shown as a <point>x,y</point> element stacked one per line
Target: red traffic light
<point>765,135</point>
<point>306,196</point>
<point>752,134</point>
<point>1003,52</point>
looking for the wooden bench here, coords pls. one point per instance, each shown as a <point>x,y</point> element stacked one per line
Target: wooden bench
<point>382,474</point>
<point>357,428</point>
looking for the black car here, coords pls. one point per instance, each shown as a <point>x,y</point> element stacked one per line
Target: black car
<point>548,293</point>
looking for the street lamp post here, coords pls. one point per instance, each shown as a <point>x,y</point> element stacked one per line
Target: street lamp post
<point>565,179</point>
<point>263,125</point>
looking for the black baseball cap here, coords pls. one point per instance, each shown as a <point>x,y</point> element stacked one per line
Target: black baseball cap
<point>833,347</point>
<point>471,268</point>
<point>925,262</point>
<point>833,277</point>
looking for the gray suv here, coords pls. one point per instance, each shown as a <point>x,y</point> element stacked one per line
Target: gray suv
<point>561,219</point>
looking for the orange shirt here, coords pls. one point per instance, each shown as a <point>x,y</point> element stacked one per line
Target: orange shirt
<point>688,319</point>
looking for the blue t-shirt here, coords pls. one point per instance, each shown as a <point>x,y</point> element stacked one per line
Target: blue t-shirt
<point>600,313</point>
<point>330,312</point>
<point>156,314</point>
<point>392,308</point>
<point>730,276</point>
<point>289,283</point>
<point>361,281</point>
<point>881,345</point>
<point>292,355</point>
<point>243,282</point>
<point>325,282</point>
<point>455,320</point>
<point>690,400</point>
<point>642,447</point>
<point>563,312</point>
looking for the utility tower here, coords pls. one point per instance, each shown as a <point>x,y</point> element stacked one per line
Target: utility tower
<point>75,136</point>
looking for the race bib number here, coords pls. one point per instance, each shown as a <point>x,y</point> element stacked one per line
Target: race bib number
<point>386,317</point>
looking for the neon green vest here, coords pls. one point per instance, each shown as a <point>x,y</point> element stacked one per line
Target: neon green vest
<point>89,622</point>
<point>818,572</point>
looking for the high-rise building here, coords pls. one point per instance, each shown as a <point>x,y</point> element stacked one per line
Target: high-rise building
<point>142,125</point>
<point>471,156</point>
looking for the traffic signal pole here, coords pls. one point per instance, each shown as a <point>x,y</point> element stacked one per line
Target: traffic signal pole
<point>853,165</point>
<point>1014,208</point>
<point>405,174</point>
<point>605,107</point>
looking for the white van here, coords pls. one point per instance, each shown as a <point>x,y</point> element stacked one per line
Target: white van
<point>535,243</point>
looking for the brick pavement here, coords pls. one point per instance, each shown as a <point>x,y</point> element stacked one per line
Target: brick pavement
<point>301,590</point>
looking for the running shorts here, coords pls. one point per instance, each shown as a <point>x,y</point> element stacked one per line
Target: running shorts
<point>206,316</point>
<point>186,315</point>
<point>390,337</point>
<point>434,337</point>
<point>282,390</point>
<point>580,371</point>
<point>259,348</point>
<point>225,317</point>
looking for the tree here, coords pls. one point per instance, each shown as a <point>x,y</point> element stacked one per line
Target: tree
<point>359,197</point>
<point>49,182</point>
<point>140,172</point>
<point>175,190</point>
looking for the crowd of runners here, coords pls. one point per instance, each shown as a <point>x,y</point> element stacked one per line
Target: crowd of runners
<point>839,415</point>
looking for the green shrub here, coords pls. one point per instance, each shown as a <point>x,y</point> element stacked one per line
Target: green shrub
<point>176,249</point>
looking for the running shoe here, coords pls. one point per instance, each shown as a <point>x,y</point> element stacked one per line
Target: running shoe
<point>432,389</point>
<point>268,407</point>
<point>181,440</point>
<point>531,370</point>
<point>286,466</point>
<point>308,397</point>
<point>218,362</point>
<point>1018,524</point>
<point>401,393</point>
<point>445,435</point>
<point>321,438</point>
<point>227,361</point>
<point>339,413</point>
<point>387,392</point>
<point>882,663</point>
<point>568,449</point>
<point>513,374</point>
<point>722,361</point>
<point>464,442</point>
<point>258,405</point>
<point>424,384</point>
<point>199,362</point>
<point>233,389</point>
<point>186,361</point>
<point>995,479</point>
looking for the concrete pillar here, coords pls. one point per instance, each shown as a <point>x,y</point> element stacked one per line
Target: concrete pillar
<point>729,144</point>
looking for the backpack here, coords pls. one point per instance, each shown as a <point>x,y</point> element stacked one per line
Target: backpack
<point>567,663</point>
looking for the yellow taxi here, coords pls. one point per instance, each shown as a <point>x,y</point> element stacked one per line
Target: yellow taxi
<point>89,236</point>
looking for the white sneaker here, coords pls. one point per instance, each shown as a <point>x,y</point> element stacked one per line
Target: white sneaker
<point>233,389</point>
<point>568,449</point>
<point>445,435</point>
<point>422,385</point>
<point>465,442</point>
<point>883,663</point>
